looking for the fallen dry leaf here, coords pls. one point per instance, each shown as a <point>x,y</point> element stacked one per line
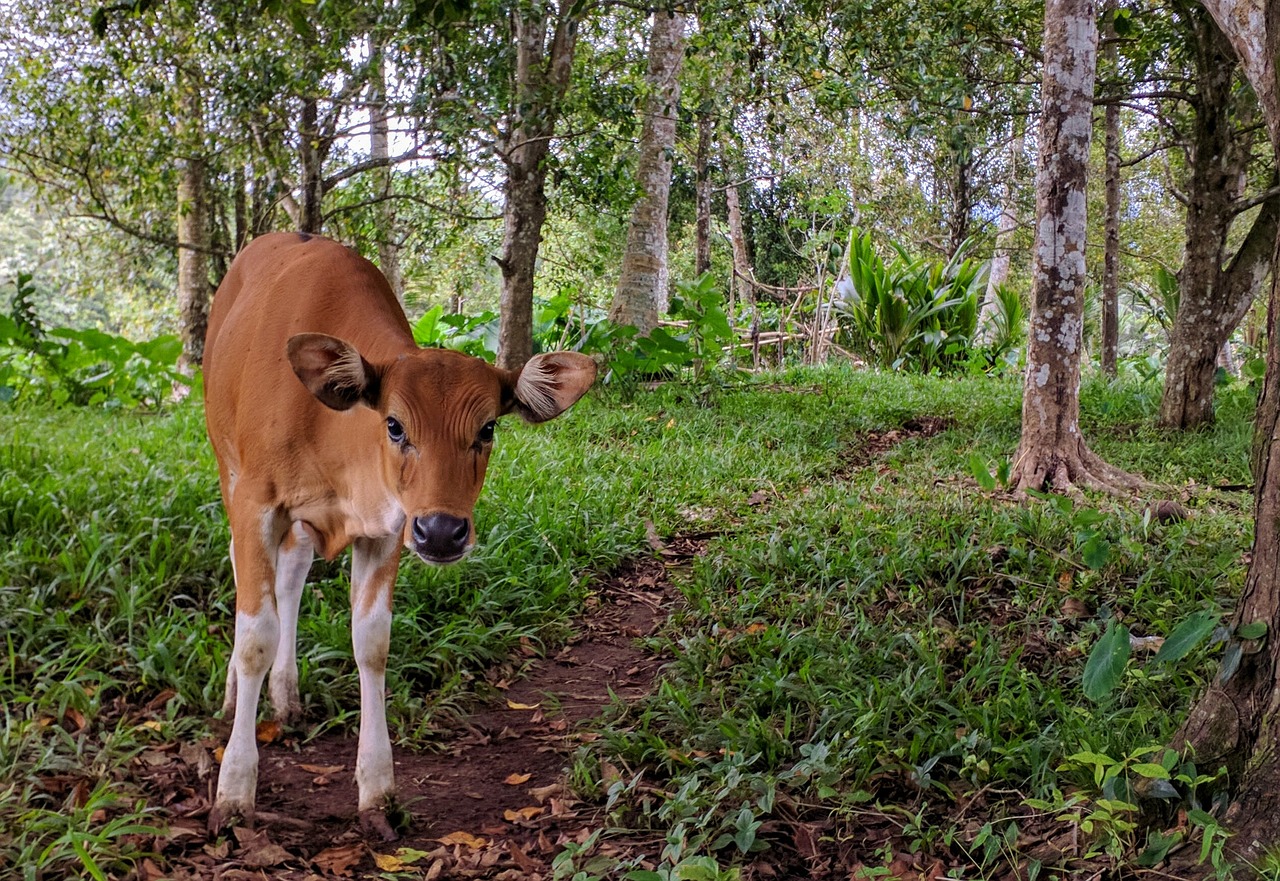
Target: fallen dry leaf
<point>466,839</point>
<point>527,864</point>
<point>324,770</point>
<point>516,705</point>
<point>388,862</point>
<point>338,860</point>
<point>522,814</point>
<point>517,779</point>
<point>269,731</point>
<point>542,793</point>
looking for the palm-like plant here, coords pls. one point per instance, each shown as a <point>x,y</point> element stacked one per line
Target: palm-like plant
<point>908,313</point>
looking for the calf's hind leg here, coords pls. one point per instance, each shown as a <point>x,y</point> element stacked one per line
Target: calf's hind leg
<point>293,562</point>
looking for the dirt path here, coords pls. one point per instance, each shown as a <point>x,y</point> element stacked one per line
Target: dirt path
<point>494,805</point>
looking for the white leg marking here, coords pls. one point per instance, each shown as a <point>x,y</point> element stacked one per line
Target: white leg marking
<point>229,695</point>
<point>371,638</point>
<point>292,566</point>
<point>256,638</point>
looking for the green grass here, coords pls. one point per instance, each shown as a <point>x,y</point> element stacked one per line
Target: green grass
<point>880,633</point>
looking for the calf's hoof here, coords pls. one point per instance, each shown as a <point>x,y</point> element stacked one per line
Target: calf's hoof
<point>224,815</point>
<point>375,824</point>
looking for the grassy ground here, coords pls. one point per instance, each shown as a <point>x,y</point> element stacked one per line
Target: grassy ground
<point>877,661</point>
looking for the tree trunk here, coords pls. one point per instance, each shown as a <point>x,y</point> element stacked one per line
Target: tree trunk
<point>702,251</point>
<point>542,76</point>
<point>1236,721</point>
<point>379,150</point>
<point>742,273</point>
<point>1005,228</point>
<point>1111,234</point>
<point>1209,306</point>
<point>1052,454</point>
<point>193,226</point>
<point>642,296</point>
<point>311,220</point>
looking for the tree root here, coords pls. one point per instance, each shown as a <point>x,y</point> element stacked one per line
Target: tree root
<point>1068,468</point>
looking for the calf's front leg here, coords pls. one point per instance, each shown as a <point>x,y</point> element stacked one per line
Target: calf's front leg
<point>257,539</point>
<point>374,562</point>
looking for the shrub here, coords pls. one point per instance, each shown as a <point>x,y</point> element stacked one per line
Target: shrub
<point>81,367</point>
<point>908,314</point>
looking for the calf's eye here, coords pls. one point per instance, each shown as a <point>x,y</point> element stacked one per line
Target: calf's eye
<point>395,430</point>
<point>486,433</point>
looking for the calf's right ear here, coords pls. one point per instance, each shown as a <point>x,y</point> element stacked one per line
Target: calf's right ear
<point>333,370</point>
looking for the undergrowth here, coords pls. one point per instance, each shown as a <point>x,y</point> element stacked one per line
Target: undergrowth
<point>878,634</point>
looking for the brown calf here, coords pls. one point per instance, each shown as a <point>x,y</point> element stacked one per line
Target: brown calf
<point>333,429</point>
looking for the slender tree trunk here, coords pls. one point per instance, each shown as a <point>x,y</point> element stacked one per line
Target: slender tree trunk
<point>642,296</point>
<point>193,225</point>
<point>1236,721</point>
<point>1006,226</point>
<point>961,196</point>
<point>542,76</point>
<point>702,253</point>
<point>1111,234</point>
<point>379,149</point>
<point>1210,305</point>
<point>240,230</point>
<point>1053,454</point>
<point>742,272</point>
<point>312,156</point>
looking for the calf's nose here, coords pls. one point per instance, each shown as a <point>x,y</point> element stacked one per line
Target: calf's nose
<point>441,537</point>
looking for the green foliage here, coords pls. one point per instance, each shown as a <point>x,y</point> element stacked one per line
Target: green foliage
<point>1006,329</point>
<point>82,367</point>
<point>909,314</point>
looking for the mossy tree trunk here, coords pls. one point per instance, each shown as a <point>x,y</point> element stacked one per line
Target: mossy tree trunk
<point>641,297</point>
<point>1237,721</point>
<point>1052,454</point>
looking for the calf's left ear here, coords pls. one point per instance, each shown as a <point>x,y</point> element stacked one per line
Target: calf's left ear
<point>333,371</point>
<point>551,383</point>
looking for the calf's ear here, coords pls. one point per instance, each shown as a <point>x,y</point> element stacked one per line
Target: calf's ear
<point>551,383</point>
<point>333,370</point>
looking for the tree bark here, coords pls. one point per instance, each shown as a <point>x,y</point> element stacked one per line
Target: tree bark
<point>1211,299</point>
<point>1006,226</point>
<point>1111,231</point>
<point>379,150</point>
<point>702,251</point>
<point>542,76</point>
<point>192,224</point>
<point>311,154</point>
<point>642,296</point>
<point>1052,454</point>
<point>742,273</point>
<point>1237,721</point>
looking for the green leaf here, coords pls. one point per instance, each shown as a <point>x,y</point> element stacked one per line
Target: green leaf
<point>1150,770</point>
<point>1252,630</point>
<point>981,473</point>
<point>1201,818</point>
<point>1090,758</point>
<point>1186,636</point>
<point>1106,662</point>
<point>1096,552</point>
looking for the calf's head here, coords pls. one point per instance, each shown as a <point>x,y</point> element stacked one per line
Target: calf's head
<point>439,410</point>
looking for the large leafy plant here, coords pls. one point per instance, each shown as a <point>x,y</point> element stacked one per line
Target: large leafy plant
<point>82,367</point>
<point>908,313</point>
